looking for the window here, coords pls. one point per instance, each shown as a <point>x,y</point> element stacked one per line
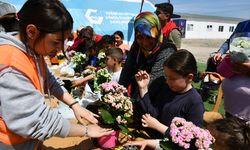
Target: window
<point>231,28</point>
<point>220,28</point>
<point>190,27</point>
<point>209,28</point>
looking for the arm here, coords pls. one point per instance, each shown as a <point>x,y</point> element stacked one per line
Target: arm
<point>224,47</point>
<point>128,71</point>
<point>175,36</point>
<point>195,114</point>
<point>57,89</point>
<point>142,79</point>
<point>83,81</point>
<point>93,131</point>
<point>151,122</point>
<point>34,118</point>
<point>24,110</point>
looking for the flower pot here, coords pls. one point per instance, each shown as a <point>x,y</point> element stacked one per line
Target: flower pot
<point>108,141</point>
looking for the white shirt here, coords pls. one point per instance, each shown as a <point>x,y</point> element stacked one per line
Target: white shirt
<point>116,75</point>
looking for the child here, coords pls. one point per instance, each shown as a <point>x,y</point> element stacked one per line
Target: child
<point>231,134</point>
<point>174,96</point>
<point>114,58</point>
<point>113,62</point>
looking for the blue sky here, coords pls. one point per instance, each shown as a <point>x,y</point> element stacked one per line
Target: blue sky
<point>227,8</point>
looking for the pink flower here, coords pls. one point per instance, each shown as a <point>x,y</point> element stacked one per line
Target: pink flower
<point>182,132</point>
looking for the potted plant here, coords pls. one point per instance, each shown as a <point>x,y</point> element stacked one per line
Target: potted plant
<point>115,111</point>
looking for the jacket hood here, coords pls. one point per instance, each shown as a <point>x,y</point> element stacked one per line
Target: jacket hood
<point>8,39</point>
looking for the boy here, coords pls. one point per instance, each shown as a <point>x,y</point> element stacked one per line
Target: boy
<point>114,58</point>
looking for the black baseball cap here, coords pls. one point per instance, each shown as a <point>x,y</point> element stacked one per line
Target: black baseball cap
<point>166,7</point>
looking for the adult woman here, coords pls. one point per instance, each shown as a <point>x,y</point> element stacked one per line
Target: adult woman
<point>24,78</point>
<point>147,52</point>
<point>119,37</point>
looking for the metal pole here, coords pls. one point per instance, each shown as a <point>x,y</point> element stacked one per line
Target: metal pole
<point>142,2</point>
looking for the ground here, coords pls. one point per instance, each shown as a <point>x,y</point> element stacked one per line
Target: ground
<point>201,48</point>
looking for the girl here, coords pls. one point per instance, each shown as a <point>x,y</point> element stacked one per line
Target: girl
<point>24,78</point>
<point>171,97</point>
<point>231,134</point>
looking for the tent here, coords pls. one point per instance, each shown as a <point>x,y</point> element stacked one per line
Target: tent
<point>106,16</point>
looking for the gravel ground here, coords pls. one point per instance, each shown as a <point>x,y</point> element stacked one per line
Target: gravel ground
<point>201,48</point>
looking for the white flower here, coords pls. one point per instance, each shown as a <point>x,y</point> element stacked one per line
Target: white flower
<point>101,55</point>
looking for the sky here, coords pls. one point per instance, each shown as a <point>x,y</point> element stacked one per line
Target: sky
<point>225,8</point>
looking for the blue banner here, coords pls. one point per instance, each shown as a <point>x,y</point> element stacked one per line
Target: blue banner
<point>105,16</point>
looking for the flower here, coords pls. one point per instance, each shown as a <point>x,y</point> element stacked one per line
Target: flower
<point>79,60</point>
<point>101,76</point>
<point>101,59</point>
<point>116,109</point>
<point>182,132</point>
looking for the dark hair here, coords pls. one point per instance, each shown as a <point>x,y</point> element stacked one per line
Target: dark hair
<point>232,133</point>
<point>119,33</point>
<point>9,22</point>
<point>166,7</point>
<point>182,62</point>
<point>115,52</point>
<point>87,33</point>
<point>49,16</point>
<point>90,45</point>
<point>106,39</point>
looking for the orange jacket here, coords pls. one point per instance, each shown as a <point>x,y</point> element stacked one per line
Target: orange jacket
<point>15,58</point>
<point>168,28</point>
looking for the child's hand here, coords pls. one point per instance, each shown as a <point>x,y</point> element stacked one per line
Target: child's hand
<point>90,67</point>
<point>142,79</point>
<point>149,121</point>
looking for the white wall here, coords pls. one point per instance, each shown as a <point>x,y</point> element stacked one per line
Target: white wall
<point>200,30</point>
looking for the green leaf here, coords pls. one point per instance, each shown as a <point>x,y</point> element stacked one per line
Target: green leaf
<point>107,117</point>
<point>168,145</point>
<point>124,129</point>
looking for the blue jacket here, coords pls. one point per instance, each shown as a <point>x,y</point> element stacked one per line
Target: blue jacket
<point>241,27</point>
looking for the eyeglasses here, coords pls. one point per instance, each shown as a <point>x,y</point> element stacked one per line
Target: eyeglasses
<point>157,12</point>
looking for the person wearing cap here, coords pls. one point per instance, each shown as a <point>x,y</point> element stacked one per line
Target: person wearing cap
<point>8,20</point>
<point>170,31</point>
<point>148,52</point>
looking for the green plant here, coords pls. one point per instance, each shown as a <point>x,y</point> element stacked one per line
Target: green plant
<point>116,109</point>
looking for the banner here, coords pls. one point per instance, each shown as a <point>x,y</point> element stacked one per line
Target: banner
<point>105,16</point>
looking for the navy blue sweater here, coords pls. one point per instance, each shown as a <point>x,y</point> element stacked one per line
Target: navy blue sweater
<point>164,104</point>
